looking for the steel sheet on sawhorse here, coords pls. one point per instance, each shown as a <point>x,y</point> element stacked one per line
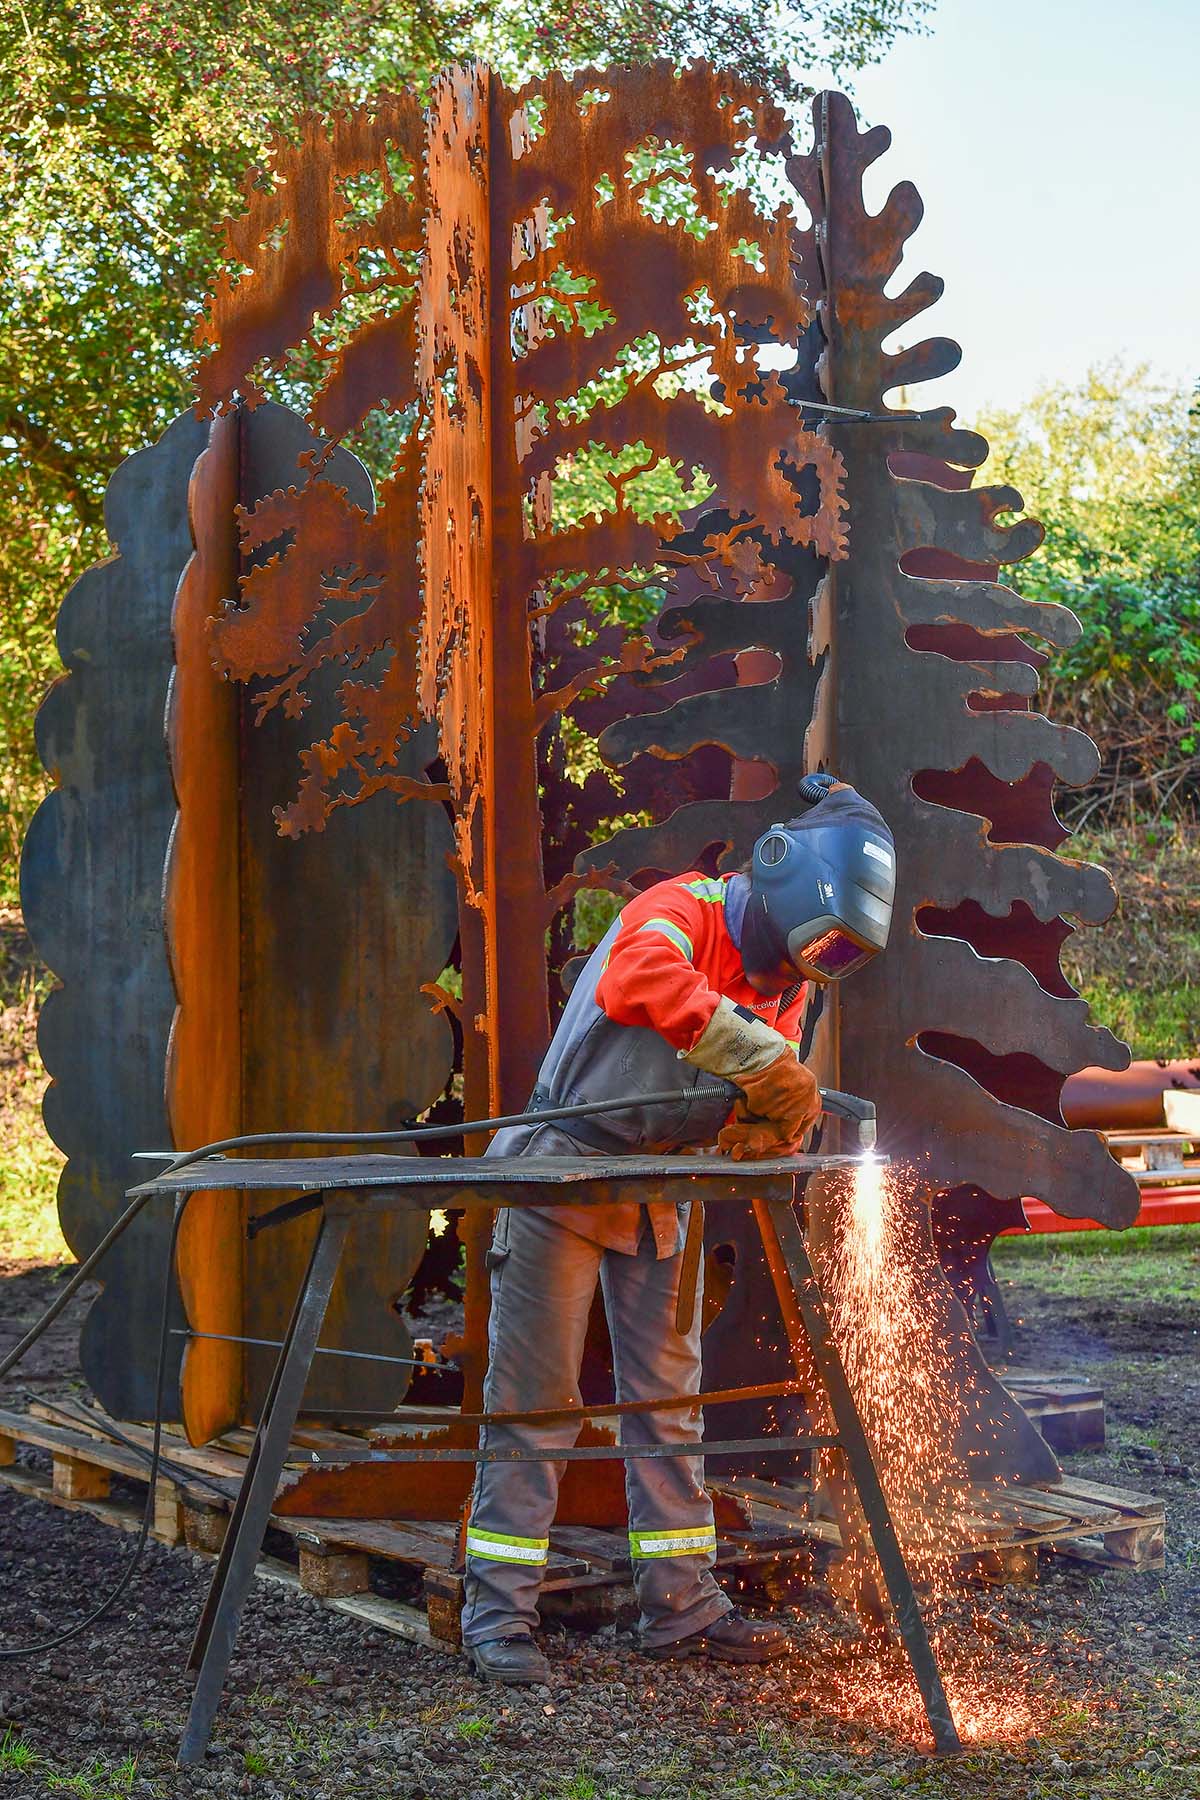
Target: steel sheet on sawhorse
<point>357,1185</point>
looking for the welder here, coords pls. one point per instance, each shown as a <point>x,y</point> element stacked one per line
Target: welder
<point>698,977</point>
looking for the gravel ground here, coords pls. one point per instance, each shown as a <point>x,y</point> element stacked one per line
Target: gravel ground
<point>1081,1688</point>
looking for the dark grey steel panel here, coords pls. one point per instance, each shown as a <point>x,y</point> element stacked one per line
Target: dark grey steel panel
<point>91,887</point>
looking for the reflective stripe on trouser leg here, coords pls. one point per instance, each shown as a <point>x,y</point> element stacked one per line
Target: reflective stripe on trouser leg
<point>543,1280</point>
<point>668,1504</point>
<point>506,1549</point>
<point>643,1544</point>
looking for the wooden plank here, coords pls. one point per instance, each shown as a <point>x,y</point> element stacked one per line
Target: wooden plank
<point>1035,1503</point>
<point>1066,1389</point>
<point>766,1493</point>
<point>209,1459</point>
<point>580,1584</point>
<point>30,1429</point>
<point>371,1609</point>
<point>1132,1140</point>
<point>1031,1528</point>
<point>1143,1547</point>
<point>774,1540</point>
<point>1122,1499</point>
<point>8,1450</point>
<point>35,1484</point>
<point>377,1537</point>
<point>304,1438</point>
<point>599,1549</point>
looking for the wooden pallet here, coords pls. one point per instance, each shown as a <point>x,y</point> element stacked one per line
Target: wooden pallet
<point>1000,1531</point>
<point>1068,1412</point>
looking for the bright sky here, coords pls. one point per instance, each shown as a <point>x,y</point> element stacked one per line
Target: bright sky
<point>1054,144</point>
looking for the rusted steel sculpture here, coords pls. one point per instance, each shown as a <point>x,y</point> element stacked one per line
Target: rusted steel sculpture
<point>624,579</point>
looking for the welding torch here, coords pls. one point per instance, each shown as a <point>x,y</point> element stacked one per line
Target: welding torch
<point>856,1112</point>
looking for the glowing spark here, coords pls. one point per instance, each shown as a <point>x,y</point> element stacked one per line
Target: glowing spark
<point>881,1277</point>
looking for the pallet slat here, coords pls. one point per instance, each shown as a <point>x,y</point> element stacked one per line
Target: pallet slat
<point>1000,1530</point>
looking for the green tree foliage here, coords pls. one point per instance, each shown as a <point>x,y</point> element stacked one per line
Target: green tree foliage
<point>125,126</point>
<point>1112,468</point>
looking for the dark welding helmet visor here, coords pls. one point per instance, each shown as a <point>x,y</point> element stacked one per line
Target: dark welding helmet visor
<point>821,891</point>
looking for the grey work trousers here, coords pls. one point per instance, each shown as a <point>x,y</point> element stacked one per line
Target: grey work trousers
<point>543,1281</point>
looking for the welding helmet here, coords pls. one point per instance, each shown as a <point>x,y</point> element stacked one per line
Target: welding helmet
<point>821,887</point>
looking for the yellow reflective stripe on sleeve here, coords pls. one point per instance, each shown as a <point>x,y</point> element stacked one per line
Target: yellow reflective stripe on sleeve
<point>679,938</point>
<point>499,1548</point>
<point>698,1541</point>
<point>706,888</point>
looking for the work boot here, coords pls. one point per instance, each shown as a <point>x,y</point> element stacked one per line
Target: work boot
<point>731,1638</point>
<point>514,1660</point>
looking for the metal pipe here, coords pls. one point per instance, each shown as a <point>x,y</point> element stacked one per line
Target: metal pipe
<point>606,1452</point>
<point>607,1409</point>
<point>409,1362</point>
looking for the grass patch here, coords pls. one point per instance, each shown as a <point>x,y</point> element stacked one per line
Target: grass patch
<point>97,1781</point>
<point>1147,1262</point>
<point>15,1753</point>
<point>472,1730</point>
<point>1154,1022</point>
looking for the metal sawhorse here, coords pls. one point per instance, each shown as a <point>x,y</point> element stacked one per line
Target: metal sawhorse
<point>344,1188</point>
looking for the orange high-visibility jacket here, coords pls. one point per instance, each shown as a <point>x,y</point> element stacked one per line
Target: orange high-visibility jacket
<point>647,992</point>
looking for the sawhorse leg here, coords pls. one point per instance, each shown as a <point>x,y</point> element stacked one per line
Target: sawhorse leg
<point>217,1630</point>
<point>783,1241</point>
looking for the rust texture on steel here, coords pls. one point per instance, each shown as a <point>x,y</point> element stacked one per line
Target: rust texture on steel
<point>283,945</point>
<point>203,921</point>
<point>517,348</point>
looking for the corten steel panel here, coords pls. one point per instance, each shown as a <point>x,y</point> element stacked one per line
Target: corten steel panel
<point>287,946</point>
<point>202,919</point>
<point>338,931</point>
<point>91,887</point>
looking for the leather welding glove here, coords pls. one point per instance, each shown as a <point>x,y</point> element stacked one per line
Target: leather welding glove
<point>747,1139</point>
<point>780,1098</point>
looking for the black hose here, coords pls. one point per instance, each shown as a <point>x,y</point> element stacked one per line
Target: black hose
<point>413,1134</point>
<point>10,1653</point>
